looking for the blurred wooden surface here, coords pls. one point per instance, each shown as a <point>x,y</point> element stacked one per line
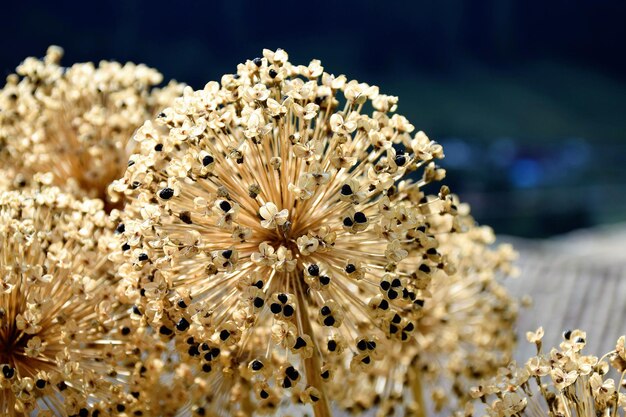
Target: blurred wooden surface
<point>576,281</point>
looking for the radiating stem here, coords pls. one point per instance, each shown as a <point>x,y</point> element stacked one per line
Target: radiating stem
<point>312,366</point>
<point>415,384</point>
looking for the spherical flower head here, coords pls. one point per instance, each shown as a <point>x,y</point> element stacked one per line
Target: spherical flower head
<point>564,381</point>
<point>62,349</point>
<point>465,334</point>
<point>280,203</point>
<point>76,121</point>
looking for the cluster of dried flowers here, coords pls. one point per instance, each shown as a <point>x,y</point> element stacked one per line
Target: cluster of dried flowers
<point>274,243</point>
<point>564,382</point>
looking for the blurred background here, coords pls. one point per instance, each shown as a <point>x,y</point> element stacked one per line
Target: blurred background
<point>528,97</point>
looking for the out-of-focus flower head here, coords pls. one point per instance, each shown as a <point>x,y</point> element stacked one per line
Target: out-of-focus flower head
<point>76,121</point>
<point>465,333</point>
<point>276,207</point>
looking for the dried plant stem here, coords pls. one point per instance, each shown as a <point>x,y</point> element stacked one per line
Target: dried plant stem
<point>312,365</point>
<point>415,384</point>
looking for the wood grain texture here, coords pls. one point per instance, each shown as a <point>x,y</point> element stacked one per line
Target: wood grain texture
<point>576,281</point>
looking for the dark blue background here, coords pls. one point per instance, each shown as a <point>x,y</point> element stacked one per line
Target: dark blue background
<point>527,96</point>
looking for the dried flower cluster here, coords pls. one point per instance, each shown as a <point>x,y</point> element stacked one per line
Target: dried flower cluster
<point>280,245</point>
<point>263,208</point>
<point>75,122</point>
<point>59,321</point>
<point>563,382</point>
<point>464,335</point>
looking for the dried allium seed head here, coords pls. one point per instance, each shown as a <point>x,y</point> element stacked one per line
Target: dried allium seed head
<point>60,346</point>
<point>464,335</point>
<point>564,382</point>
<point>75,122</point>
<point>324,249</point>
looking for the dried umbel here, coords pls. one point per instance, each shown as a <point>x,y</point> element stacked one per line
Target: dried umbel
<point>62,337</point>
<point>76,121</point>
<point>273,207</point>
<point>464,335</point>
<point>563,382</point>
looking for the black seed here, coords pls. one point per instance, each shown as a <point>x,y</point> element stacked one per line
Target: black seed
<point>125,331</point>
<point>258,302</point>
<point>392,294</point>
<point>200,411</point>
<point>125,247</point>
<point>350,268</point>
<point>288,311</point>
<point>431,251</point>
<point>359,217</point>
<point>41,383</point>
<point>227,254</point>
<point>419,303</point>
<point>286,383</point>
<point>191,340</point>
<point>325,374</point>
<point>143,257</point>
<point>400,160</point>
<point>62,386</point>
<point>224,334</point>
<point>193,351</point>
<point>282,298</point>
<point>276,308</point>
<point>347,222</point>
<point>136,311</point>
<point>362,345</point>
<point>567,334</point>
<point>182,325</point>
<point>8,372</point>
<point>580,340</point>
<point>135,185</point>
<point>239,160</point>
<point>371,345</point>
<point>384,305</point>
<point>256,365</point>
<point>165,331</point>
<point>300,343</point>
<point>181,303</point>
<point>120,228</point>
<point>263,394</point>
<point>314,398</point>
<point>424,268</point>
<point>166,193</point>
<point>325,310</point>
<point>385,285</point>
<point>185,217</point>
<point>135,394</point>
<point>396,319</point>
<point>225,206</point>
<point>404,336</point>
<point>325,280</point>
<point>366,360</point>
<point>346,190</point>
<point>396,282</point>
<point>162,114</point>
<point>204,346</point>
<point>257,61</point>
<point>329,321</point>
<point>393,329</point>
<point>332,345</point>
<point>120,408</point>
<point>215,352</point>
<point>131,163</point>
<point>206,368</point>
<point>292,373</point>
<point>207,160</point>
<point>258,284</point>
<point>158,147</point>
<point>273,73</point>
<point>83,412</point>
<point>313,270</point>
<point>409,327</point>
